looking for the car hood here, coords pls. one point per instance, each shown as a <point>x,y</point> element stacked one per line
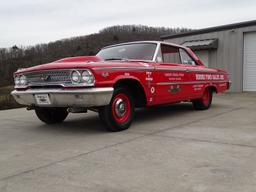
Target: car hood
<point>90,62</point>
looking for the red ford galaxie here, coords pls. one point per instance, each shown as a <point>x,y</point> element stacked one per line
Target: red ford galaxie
<point>117,80</point>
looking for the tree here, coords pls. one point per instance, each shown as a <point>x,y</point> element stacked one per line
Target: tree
<point>18,57</point>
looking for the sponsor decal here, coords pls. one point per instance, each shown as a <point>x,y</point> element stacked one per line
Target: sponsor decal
<point>105,74</point>
<point>148,73</point>
<point>197,87</point>
<point>174,76</point>
<point>174,89</point>
<point>223,85</point>
<point>45,77</point>
<point>148,78</point>
<point>152,89</point>
<point>209,77</point>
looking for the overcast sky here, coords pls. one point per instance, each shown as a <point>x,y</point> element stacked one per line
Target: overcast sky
<point>29,22</point>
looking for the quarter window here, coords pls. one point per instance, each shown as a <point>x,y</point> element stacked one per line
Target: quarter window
<point>170,54</point>
<point>185,58</point>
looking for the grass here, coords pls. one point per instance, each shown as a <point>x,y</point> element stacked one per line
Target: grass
<point>6,100</point>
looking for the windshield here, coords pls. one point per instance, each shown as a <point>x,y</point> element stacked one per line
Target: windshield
<point>136,51</point>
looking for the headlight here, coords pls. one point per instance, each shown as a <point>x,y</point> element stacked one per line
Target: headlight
<point>23,80</point>
<point>75,77</point>
<point>82,77</point>
<point>20,80</point>
<point>17,80</point>
<point>87,77</point>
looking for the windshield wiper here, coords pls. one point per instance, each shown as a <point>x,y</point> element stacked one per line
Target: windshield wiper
<point>116,58</point>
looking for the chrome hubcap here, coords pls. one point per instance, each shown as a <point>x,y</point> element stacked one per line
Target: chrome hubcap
<point>120,108</point>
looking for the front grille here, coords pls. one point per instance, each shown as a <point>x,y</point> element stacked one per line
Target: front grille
<point>48,77</point>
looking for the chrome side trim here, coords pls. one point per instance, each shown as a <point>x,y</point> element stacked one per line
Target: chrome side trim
<point>190,82</point>
<point>202,71</point>
<point>157,68</point>
<point>186,70</point>
<point>158,47</point>
<point>124,68</point>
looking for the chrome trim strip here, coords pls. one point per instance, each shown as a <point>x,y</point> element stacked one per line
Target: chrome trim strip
<point>61,91</point>
<point>186,70</point>
<point>82,85</point>
<point>157,68</point>
<point>158,47</point>
<point>202,71</point>
<point>190,82</point>
<point>42,70</point>
<point>124,68</point>
<point>129,60</point>
<point>130,43</point>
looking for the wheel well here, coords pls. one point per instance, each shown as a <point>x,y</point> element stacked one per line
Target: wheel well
<point>135,89</point>
<point>213,88</point>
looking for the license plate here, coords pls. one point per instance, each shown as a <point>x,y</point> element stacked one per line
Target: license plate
<point>42,99</point>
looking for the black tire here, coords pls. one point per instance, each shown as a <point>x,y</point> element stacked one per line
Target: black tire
<point>205,101</point>
<point>51,115</point>
<point>108,114</point>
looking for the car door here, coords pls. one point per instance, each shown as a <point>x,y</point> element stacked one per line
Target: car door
<point>198,75</point>
<point>192,88</point>
<point>171,75</point>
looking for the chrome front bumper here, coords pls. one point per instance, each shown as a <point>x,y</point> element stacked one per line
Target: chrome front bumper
<point>88,97</point>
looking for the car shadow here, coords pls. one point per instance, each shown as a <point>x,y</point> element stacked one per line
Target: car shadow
<point>92,125</point>
<point>161,111</point>
<point>78,125</point>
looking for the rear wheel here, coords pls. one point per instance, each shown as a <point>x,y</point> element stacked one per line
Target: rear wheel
<point>118,115</point>
<point>205,101</point>
<point>51,115</point>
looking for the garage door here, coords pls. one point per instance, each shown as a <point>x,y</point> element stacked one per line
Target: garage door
<point>249,67</point>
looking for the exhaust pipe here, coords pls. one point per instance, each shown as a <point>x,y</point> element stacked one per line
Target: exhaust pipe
<point>77,110</point>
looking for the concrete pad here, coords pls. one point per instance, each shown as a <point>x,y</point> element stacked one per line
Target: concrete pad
<point>168,148</point>
<point>26,143</point>
<point>237,126</point>
<point>149,164</point>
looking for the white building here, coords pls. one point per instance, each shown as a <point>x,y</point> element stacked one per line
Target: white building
<point>230,47</point>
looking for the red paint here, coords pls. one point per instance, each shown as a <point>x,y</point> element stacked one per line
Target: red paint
<point>170,82</point>
<point>206,97</point>
<point>80,59</point>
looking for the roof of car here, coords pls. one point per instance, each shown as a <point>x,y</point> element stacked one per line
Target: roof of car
<point>139,42</point>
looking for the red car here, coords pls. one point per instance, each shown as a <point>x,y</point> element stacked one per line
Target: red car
<point>117,80</point>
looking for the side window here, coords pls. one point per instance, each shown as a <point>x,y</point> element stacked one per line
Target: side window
<point>185,58</point>
<point>170,54</point>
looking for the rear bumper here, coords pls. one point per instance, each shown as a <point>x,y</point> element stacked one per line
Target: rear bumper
<point>89,97</point>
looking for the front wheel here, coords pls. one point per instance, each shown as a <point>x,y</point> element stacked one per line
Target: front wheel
<point>51,115</point>
<point>205,101</point>
<point>118,115</point>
